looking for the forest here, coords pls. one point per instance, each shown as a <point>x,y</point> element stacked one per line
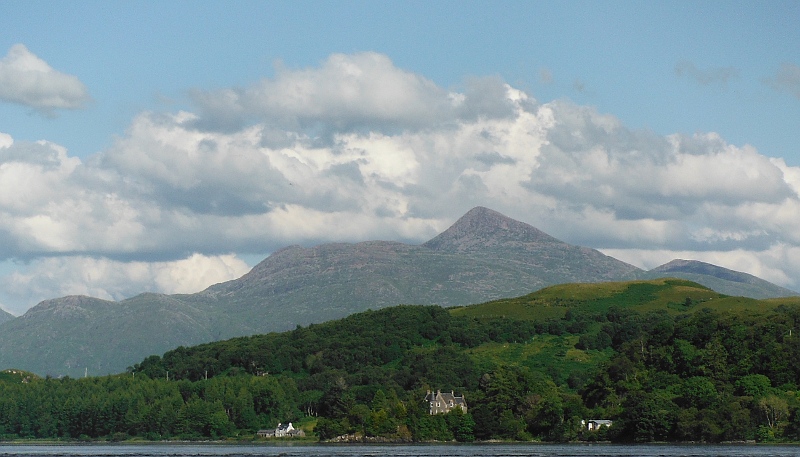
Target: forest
<point>688,371</point>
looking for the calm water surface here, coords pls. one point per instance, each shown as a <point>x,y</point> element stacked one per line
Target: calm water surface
<point>500,450</point>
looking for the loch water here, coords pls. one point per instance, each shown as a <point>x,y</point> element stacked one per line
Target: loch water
<point>472,450</point>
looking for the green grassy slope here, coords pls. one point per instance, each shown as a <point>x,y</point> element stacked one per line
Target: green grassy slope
<point>670,294</point>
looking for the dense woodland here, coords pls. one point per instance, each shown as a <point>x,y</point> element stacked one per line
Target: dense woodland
<point>682,373</point>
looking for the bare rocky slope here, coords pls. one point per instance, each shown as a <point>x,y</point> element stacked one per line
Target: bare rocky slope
<point>483,256</point>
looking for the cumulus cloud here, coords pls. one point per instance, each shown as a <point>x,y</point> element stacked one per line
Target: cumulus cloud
<point>27,80</point>
<point>358,149</point>
<point>707,76</point>
<point>591,159</point>
<point>348,92</point>
<point>787,79</point>
<point>6,141</point>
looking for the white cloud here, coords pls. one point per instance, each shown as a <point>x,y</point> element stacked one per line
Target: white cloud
<point>349,92</point>
<point>358,149</point>
<point>28,80</point>
<point>6,141</point>
<point>114,280</point>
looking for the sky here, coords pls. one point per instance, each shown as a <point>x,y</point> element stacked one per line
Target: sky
<point>167,146</point>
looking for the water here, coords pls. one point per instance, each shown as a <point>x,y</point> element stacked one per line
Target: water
<point>477,450</point>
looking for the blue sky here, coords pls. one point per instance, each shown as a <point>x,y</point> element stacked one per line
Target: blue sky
<point>618,56</point>
<point>698,100</point>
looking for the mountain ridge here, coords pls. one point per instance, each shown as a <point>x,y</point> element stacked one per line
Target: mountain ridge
<point>483,256</point>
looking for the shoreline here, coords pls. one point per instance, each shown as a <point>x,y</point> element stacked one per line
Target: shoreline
<point>291,443</point>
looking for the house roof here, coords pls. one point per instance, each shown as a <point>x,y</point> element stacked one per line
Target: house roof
<point>446,397</point>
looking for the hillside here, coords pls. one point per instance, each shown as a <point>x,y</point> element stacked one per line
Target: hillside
<point>662,360</point>
<point>541,331</point>
<point>668,348</point>
<point>380,336</point>
<point>670,295</point>
<point>483,256</point>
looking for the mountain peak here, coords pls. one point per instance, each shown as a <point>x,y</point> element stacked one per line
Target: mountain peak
<point>70,306</point>
<point>482,227</point>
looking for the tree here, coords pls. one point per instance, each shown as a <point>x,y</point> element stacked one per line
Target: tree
<point>754,385</point>
<point>773,409</point>
<point>461,425</point>
<point>698,391</point>
<point>646,417</point>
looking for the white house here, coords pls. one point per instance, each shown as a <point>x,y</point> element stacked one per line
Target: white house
<point>283,430</point>
<point>595,424</point>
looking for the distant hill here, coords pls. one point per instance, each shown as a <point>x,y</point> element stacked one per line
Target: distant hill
<point>76,334</point>
<point>483,256</point>
<point>722,280</point>
<point>672,295</point>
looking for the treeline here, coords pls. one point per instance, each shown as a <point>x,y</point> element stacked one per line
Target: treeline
<point>698,376</point>
<point>123,406</point>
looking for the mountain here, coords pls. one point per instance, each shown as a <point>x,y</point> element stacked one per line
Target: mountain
<point>483,256</point>
<point>4,316</point>
<point>76,334</point>
<point>489,235</point>
<point>722,280</point>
